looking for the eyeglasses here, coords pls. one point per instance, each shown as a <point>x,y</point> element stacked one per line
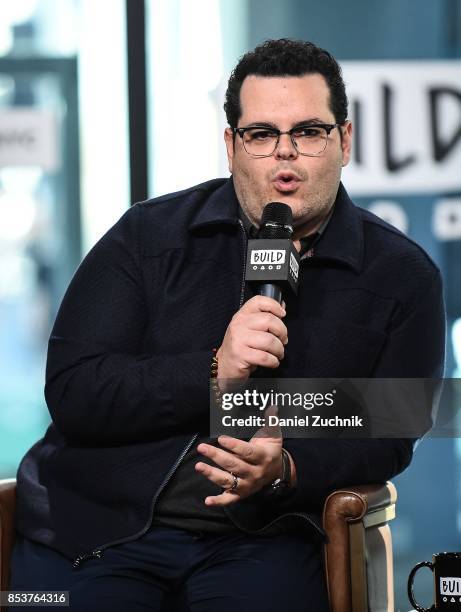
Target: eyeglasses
<point>262,141</point>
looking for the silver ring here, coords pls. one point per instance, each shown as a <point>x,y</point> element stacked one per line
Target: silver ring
<point>235,482</point>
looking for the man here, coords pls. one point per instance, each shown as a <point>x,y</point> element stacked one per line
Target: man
<point>127,499</point>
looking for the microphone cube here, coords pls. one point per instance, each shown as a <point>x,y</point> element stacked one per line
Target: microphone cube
<point>273,261</point>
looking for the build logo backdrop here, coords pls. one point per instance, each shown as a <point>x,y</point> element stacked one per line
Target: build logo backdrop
<point>407,139</point>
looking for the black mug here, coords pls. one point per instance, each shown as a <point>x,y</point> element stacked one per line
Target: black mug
<point>446,568</point>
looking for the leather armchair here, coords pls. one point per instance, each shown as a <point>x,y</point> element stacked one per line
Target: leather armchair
<point>358,554</point>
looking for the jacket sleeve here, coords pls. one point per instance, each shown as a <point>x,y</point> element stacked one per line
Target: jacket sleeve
<point>100,387</point>
<point>415,348</point>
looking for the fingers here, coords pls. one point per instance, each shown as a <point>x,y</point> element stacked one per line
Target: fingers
<point>224,499</point>
<point>258,341</point>
<point>223,479</point>
<point>266,322</point>
<point>253,463</point>
<point>241,454</point>
<point>260,303</point>
<point>256,336</point>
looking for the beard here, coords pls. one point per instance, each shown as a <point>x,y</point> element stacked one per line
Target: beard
<point>310,202</point>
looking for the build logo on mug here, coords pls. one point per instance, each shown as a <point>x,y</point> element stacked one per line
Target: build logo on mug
<point>446,568</point>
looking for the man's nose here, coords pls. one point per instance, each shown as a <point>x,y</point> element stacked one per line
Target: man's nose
<point>285,148</point>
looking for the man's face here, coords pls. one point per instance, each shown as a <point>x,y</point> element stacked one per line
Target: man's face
<point>307,184</point>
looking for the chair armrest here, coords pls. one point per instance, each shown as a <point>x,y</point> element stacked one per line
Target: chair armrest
<point>355,519</point>
<point>368,502</point>
<point>7,530</point>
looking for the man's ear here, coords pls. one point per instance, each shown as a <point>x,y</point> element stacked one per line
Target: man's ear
<point>229,140</point>
<point>346,142</point>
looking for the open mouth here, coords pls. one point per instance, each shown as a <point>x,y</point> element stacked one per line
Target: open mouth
<point>286,181</point>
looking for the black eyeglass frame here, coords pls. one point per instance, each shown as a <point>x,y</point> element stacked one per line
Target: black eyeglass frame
<point>327,126</point>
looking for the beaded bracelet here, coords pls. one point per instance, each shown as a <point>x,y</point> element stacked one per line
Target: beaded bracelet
<point>214,365</point>
<point>214,377</point>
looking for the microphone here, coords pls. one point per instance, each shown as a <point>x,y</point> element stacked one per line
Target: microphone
<point>272,261</point>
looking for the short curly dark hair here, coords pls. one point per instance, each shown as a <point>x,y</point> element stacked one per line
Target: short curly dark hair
<point>285,57</point>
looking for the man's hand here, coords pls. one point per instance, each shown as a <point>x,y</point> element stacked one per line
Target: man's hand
<point>256,463</point>
<point>256,336</point>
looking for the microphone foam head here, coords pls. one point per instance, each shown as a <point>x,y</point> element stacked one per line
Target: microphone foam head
<point>276,221</point>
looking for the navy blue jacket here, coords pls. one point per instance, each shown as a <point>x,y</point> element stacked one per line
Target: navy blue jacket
<point>127,381</point>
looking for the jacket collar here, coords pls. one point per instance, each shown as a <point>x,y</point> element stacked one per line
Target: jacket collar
<point>342,240</point>
<point>220,207</point>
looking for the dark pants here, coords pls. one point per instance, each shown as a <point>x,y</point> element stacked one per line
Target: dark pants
<point>205,573</point>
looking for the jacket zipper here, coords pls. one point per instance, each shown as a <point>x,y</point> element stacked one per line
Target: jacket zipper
<point>278,518</point>
<point>97,553</point>
<point>245,242</point>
